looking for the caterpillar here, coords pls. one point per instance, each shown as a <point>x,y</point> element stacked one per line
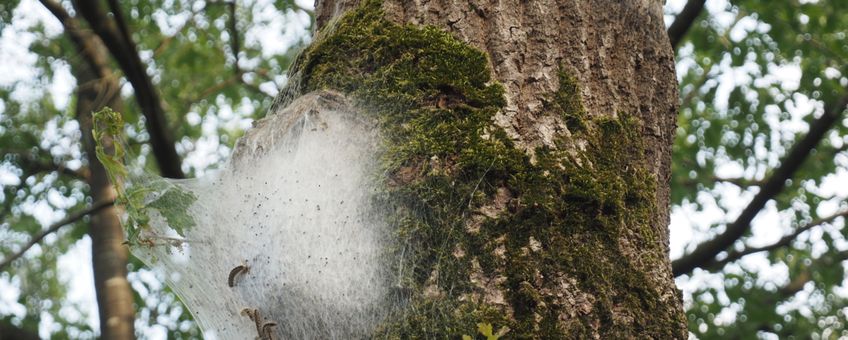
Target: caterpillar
<point>254,316</point>
<point>266,329</point>
<point>242,268</point>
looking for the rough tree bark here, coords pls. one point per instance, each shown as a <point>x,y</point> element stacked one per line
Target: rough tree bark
<point>530,151</point>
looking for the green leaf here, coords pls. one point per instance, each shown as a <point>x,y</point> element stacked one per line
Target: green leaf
<point>485,329</point>
<point>173,205</point>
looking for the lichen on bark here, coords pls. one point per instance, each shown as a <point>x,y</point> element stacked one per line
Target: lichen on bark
<point>484,233</point>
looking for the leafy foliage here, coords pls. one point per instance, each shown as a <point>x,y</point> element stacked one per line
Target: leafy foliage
<point>210,92</point>
<point>486,330</point>
<point>753,75</point>
<point>146,192</point>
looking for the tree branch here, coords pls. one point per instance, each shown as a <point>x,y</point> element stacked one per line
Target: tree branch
<point>220,86</point>
<point>85,43</point>
<point>94,208</point>
<point>737,181</point>
<point>234,39</point>
<point>30,166</point>
<point>783,242</point>
<point>684,21</point>
<point>806,275</point>
<point>124,51</point>
<point>120,21</point>
<point>706,252</point>
<point>795,285</point>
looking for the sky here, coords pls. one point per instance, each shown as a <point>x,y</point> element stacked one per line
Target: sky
<point>688,225</point>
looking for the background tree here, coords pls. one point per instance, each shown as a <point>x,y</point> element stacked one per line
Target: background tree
<point>761,153</point>
<point>100,43</point>
<point>772,133</point>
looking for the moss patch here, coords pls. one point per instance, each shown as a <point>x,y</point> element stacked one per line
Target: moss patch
<point>447,162</point>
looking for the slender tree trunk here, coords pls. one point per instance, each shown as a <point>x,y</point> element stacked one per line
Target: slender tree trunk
<point>565,179</point>
<point>109,254</point>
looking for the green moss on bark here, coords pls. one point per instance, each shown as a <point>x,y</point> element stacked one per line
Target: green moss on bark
<point>551,223</point>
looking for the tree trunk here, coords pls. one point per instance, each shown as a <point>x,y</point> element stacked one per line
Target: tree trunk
<point>108,253</point>
<point>528,154</point>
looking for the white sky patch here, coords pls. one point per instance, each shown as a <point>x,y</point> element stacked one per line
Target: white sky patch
<point>728,314</point>
<point>730,78</point>
<point>170,23</point>
<point>269,88</point>
<point>14,53</point>
<point>832,73</point>
<point>8,175</point>
<point>697,280</point>
<point>681,229</point>
<point>719,13</point>
<point>673,7</point>
<point>834,187</point>
<point>276,36</point>
<point>9,295</point>
<point>742,28</point>
<point>43,212</point>
<point>799,108</point>
<point>685,63</point>
<point>31,12</point>
<point>205,153</point>
<point>788,76</point>
<point>690,226</point>
<point>62,86</point>
<point>17,63</point>
<point>47,325</point>
<point>731,198</point>
<point>193,118</point>
<point>80,277</point>
<point>768,227</point>
<point>305,4</point>
<point>730,170</point>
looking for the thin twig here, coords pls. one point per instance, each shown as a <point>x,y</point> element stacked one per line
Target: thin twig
<point>234,39</point>
<point>178,32</point>
<point>783,242</point>
<point>94,208</point>
<point>119,20</point>
<point>235,79</point>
